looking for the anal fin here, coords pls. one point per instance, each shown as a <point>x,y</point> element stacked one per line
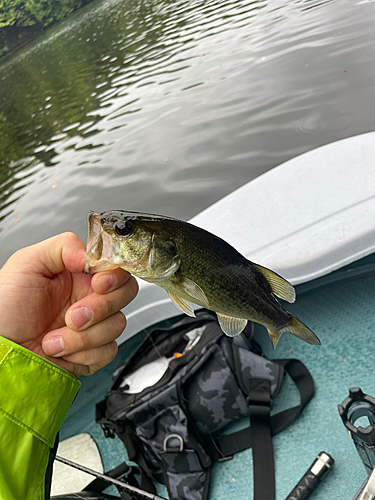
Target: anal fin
<point>231,326</point>
<point>182,304</point>
<point>274,336</point>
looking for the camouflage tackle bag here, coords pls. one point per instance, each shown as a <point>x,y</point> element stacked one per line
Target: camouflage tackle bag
<point>173,428</point>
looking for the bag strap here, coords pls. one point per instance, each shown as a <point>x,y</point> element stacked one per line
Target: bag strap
<point>259,401</point>
<point>263,427</point>
<point>305,385</point>
<point>225,446</point>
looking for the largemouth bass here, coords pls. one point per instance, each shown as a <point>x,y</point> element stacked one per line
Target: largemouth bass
<point>193,265</point>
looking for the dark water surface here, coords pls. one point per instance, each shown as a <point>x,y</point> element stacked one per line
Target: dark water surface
<point>165,106</point>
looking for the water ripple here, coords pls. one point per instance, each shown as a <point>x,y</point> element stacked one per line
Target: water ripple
<point>167,106</point>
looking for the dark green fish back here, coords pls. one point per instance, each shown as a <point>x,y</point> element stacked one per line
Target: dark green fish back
<point>232,284</point>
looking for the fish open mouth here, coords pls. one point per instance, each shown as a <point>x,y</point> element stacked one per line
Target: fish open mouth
<point>94,245</point>
<point>101,248</point>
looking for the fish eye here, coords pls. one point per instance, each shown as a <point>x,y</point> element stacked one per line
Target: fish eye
<point>123,228</point>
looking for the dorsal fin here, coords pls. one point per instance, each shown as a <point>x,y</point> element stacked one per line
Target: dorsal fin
<point>279,286</point>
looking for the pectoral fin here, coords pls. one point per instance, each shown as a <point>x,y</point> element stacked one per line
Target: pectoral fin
<point>182,304</point>
<point>193,290</point>
<point>279,286</point>
<point>231,326</point>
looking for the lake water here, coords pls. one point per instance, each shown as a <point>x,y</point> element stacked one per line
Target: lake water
<point>166,106</point>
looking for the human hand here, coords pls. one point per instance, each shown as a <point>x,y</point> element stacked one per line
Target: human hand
<point>50,307</point>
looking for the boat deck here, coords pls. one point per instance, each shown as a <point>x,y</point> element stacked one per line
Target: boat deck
<point>340,309</point>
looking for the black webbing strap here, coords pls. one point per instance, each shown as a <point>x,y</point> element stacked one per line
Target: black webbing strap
<point>258,435</point>
<point>305,385</point>
<point>225,446</point>
<point>259,401</point>
<point>263,427</point>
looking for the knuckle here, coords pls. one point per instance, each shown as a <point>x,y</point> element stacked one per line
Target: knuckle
<point>134,286</point>
<point>119,320</point>
<point>68,236</point>
<point>90,356</point>
<point>96,358</point>
<point>102,356</point>
<point>80,341</point>
<point>103,307</point>
<point>91,369</point>
<point>112,349</point>
<point>110,307</point>
<point>111,303</point>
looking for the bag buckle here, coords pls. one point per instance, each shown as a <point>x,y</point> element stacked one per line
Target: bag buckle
<point>108,432</point>
<point>259,401</point>
<point>171,447</point>
<point>260,393</point>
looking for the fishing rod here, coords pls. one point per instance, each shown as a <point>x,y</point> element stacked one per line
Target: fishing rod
<point>111,480</point>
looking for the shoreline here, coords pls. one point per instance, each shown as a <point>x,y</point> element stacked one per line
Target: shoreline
<point>13,38</point>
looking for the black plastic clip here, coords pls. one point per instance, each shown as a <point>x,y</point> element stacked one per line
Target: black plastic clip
<point>108,432</point>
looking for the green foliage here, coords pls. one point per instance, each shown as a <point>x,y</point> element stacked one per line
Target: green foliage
<point>46,12</point>
<point>41,12</point>
<point>13,12</point>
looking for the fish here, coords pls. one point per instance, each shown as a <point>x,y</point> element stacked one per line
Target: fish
<point>193,266</point>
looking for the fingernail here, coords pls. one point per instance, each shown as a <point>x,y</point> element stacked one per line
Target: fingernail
<point>105,282</point>
<point>53,346</point>
<point>80,316</point>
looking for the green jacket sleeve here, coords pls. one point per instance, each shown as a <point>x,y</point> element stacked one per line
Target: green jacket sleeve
<point>35,396</point>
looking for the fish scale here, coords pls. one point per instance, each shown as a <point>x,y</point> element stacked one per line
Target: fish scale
<point>231,283</point>
<point>193,265</point>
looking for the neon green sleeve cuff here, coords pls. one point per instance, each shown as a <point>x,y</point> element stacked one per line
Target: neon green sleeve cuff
<point>34,393</point>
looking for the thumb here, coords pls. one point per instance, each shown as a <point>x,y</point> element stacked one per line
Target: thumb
<point>64,251</point>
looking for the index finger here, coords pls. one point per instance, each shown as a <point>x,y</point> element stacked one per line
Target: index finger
<point>106,281</point>
<point>96,307</point>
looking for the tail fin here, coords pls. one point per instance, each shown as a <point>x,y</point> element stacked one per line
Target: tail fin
<point>297,328</point>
